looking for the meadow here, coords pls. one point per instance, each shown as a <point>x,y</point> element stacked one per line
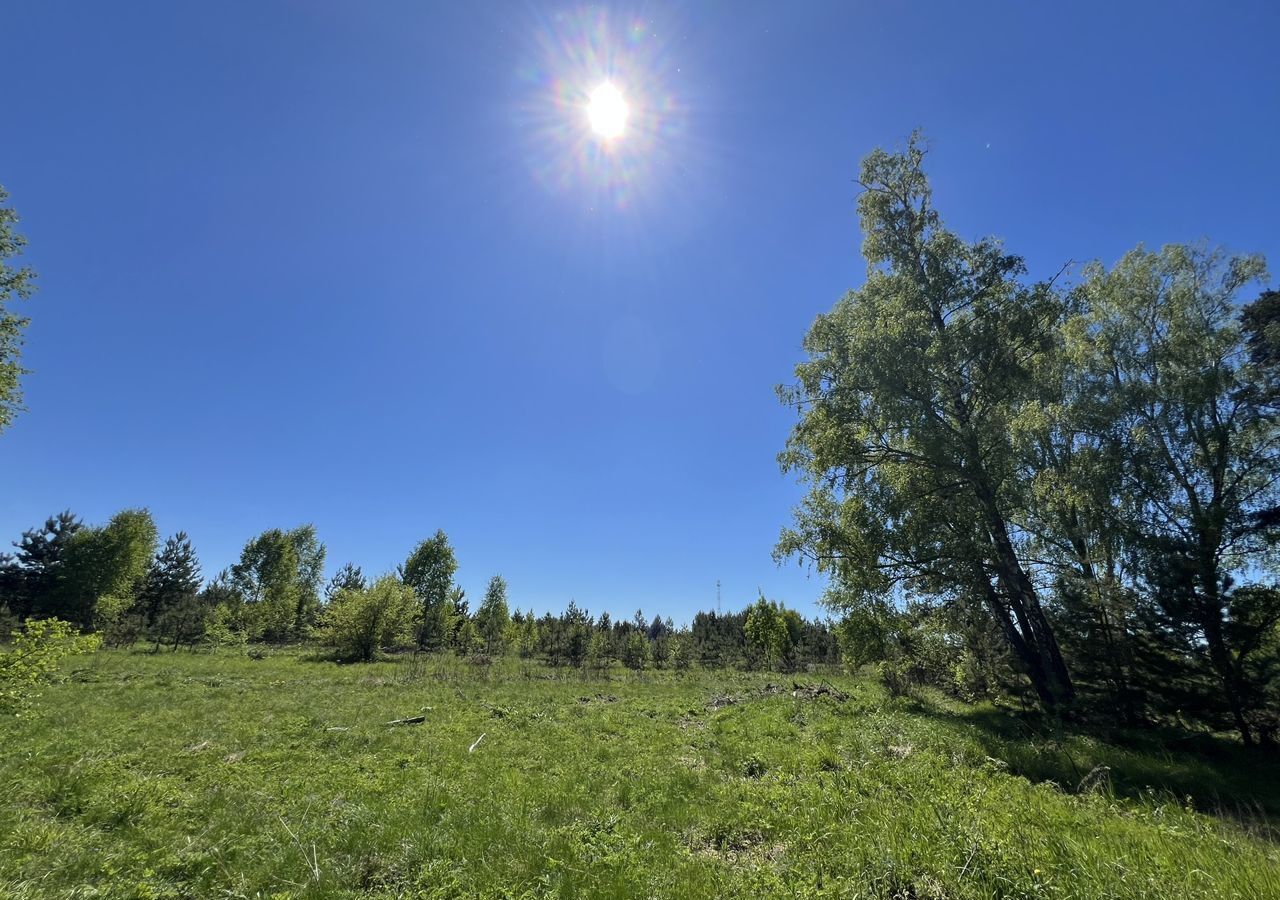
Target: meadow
<point>220,775</point>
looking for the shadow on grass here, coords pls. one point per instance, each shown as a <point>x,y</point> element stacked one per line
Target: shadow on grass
<point>1213,774</point>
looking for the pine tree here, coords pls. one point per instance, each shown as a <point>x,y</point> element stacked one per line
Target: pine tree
<point>29,578</point>
<point>348,578</point>
<point>174,575</point>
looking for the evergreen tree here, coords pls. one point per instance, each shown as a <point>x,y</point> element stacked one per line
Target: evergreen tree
<point>174,576</point>
<point>30,577</point>
<point>657,628</point>
<point>576,626</point>
<point>528,638</point>
<point>183,623</point>
<point>636,653</point>
<point>458,610</point>
<point>348,578</point>
<point>468,639</point>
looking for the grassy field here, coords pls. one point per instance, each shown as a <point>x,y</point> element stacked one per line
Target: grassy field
<point>179,775</point>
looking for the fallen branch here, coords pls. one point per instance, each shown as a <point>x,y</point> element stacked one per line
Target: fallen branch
<point>477,743</point>
<point>810,691</point>
<point>409,720</point>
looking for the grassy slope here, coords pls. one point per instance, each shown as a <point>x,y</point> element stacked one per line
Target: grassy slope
<point>220,776</point>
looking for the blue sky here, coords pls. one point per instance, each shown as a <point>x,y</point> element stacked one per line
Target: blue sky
<point>356,264</point>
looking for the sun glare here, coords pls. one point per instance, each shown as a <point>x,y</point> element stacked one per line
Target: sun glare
<point>607,111</point>
<point>600,119</point>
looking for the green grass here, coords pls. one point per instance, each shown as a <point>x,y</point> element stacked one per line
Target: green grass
<point>174,775</point>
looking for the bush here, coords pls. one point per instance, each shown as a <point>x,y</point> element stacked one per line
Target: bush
<point>119,620</point>
<point>910,647</point>
<point>183,624</point>
<point>220,630</point>
<point>681,652</point>
<point>635,651</point>
<point>36,652</point>
<point>357,623</point>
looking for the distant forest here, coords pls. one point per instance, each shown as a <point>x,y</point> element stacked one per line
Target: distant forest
<point>116,579</point>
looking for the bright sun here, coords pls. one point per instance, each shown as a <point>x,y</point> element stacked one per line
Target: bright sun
<point>607,111</point>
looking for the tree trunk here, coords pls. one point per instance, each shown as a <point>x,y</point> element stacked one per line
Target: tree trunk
<point>1224,666</point>
<point>1043,654</point>
<point>1032,663</point>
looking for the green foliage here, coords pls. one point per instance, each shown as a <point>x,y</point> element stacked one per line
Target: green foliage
<point>221,628</point>
<point>29,579</point>
<point>598,653</point>
<point>119,620</point>
<point>16,284</point>
<point>766,630</point>
<point>468,639</point>
<point>1168,377</point>
<point>358,622</point>
<point>528,639</point>
<point>348,578</point>
<point>174,577</point>
<point>636,653</point>
<point>182,623</point>
<point>905,411</point>
<point>110,560</point>
<point>912,648</point>
<point>493,618</point>
<point>681,652</point>
<point>429,572</point>
<point>9,624</point>
<point>278,576</point>
<point>33,656</point>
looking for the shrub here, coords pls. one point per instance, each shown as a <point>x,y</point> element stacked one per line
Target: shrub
<point>36,652</point>
<point>119,620</point>
<point>635,651</point>
<point>910,647</point>
<point>220,630</point>
<point>356,623</point>
<point>468,640</point>
<point>681,652</point>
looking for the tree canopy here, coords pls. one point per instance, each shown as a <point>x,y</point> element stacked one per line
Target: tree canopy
<point>17,283</point>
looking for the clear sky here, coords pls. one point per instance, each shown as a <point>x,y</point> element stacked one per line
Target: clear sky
<point>363,264</point>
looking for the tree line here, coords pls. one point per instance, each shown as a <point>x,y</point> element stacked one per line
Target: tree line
<point>1063,488</point>
<point>118,581</point>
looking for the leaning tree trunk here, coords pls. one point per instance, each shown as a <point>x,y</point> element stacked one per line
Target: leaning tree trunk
<point>1029,657</point>
<point>1042,654</point>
